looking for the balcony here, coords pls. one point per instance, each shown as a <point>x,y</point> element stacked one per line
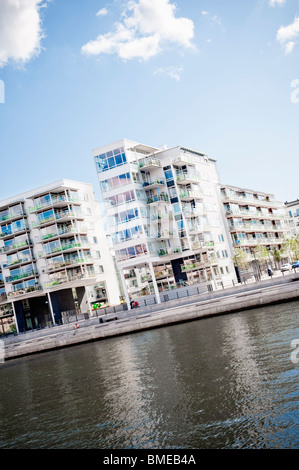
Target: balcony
<point>255,228</point>
<point>67,264</point>
<point>161,217</point>
<point>24,275</point>
<point>256,202</point>
<point>191,266</point>
<point>187,178</point>
<point>64,233</point>
<point>19,262</point>
<point>15,247</point>
<point>195,229</point>
<point>9,233</point>
<point>153,184</point>
<point>164,235</point>
<point>149,163</point>
<point>190,195</point>
<point>67,247</point>
<point>183,160</point>
<point>190,213</point>
<point>60,217</point>
<point>23,290</point>
<point>168,251</point>
<point>158,199</point>
<point>165,273</point>
<point>10,216</point>
<point>202,245</point>
<point>54,202</point>
<point>67,279</point>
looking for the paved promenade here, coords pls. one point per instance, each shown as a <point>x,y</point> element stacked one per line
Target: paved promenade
<point>227,301</point>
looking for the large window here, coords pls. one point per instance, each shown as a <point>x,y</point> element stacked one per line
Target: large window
<point>109,160</point>
<point>122,198</point>
<point>131,252</point>
<point>124,216</point>
<point>127,234</point>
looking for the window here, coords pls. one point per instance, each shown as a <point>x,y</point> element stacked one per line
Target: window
<point>109,160</point>
<point>95,240</point>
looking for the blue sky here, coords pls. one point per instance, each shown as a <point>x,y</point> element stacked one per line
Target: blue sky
<point>212,75</point>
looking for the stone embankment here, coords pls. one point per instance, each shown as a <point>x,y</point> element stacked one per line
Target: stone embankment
<point>193,308</point>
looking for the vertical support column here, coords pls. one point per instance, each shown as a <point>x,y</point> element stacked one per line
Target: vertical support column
<point>51,308</point>
<point>154,283</point>
<point>125,288</point>
<point>14,312</point>
<point>87,298</point>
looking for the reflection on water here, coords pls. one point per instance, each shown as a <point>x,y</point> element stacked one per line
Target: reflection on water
<point>225,382</point>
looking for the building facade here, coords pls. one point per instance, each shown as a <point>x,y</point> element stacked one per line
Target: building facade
<point>165,217</point>
<point>54,256</point>
<point>254,219</point>
<point>293,212</point>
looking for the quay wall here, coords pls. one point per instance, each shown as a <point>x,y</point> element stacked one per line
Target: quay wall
<point>195,309</point>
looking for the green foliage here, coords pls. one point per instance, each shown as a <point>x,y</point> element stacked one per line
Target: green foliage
<point>240,258</point>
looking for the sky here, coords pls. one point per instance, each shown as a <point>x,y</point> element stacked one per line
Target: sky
<point>219,76</point>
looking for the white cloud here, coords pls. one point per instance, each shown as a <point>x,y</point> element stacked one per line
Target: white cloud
<point>274,3</point>
<point>172,72</point>
<point>20,30</point>
<point>147,27</point>
<point>289,47</point>
<point>102,12</point>
<point>287,34</point>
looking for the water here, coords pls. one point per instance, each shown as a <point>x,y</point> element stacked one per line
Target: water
<point>225,382</point>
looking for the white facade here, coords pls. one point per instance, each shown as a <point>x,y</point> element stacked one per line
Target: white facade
<point>53,246</point>
<point>165,216</point>
<point>254,218</point>
<point>293,211</point>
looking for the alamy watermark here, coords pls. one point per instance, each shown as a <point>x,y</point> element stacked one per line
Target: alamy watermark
<point>295,93</point>
<point>295,353</point>
<point>2,92</point>
<point>2,352</point>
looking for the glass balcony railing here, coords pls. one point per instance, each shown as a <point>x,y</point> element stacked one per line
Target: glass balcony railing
<point>8,231</point>
<point>168,251</point>
<point>62,247</point>
<point>52,201</point>
<point>15,246</point>
<point>21,275</point>
<point>149,163</point>
<point>23,290</point>
<point>70,278</point>
<point>12,215</point>
<point>188,195</point>
<point>188,177</point>
<point>158,198</point>
<point>153,183</point>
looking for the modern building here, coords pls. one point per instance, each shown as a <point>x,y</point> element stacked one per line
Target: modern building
<point>165,217</point>
<point>254,219</point>
<point>293,211</point>
<point>54,255</point>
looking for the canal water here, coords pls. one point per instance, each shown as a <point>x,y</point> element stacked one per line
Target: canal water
<point>224,382</point>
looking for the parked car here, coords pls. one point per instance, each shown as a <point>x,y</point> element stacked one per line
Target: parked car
<point>295,264</point>
<point>285,267</point>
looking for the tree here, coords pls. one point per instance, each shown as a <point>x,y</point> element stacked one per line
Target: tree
<point>290,247</point>
<point>276,255</point>
<point>240,258</point>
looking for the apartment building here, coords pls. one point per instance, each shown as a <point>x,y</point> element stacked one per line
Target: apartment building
<point>254,219</point>
<point>293,212</point>
<point>165,217</point>
<point>54,255</point>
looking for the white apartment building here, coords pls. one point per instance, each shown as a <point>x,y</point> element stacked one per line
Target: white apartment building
<point>254,218</point>
<point>165,216</point>
<point>54,255</point>
<point>293,211</point>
